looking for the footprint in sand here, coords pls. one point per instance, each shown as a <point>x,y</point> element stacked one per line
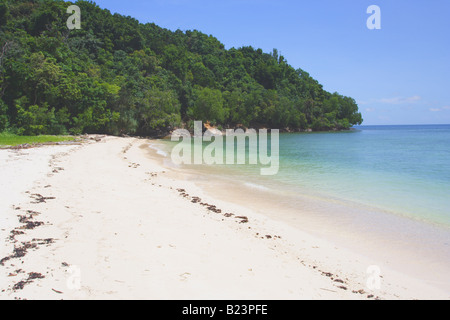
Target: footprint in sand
<point>184,276</point>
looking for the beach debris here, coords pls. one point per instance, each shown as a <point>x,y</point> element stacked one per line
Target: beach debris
<point>196,200</point>
<point>213,208</point>
<point>31,225</point>
<point>42,242</point>
<point>32,213</point>
<point>243,219</point>
<point>342,287</point>
<point>339,281</point>
<point>327,290</point>
<point>40,198</point>
<point>35,275</point>
<point>56,170</point>
<point>59,292</point>
<point>19,286</point>
<point>21,146</point>
<point>13,235</point>
<point>134,165</point>
<point>31,277</point>
<point>19,252</point>
<point>96,138</point>
<point>183,193</point>
<point>27,220</point>
<point>268,236</point>
<point>359,291</point>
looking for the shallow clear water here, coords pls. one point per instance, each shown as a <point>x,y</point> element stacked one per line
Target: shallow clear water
<point>371,188</point>
<point>404,170</point>
<point>400,169</point>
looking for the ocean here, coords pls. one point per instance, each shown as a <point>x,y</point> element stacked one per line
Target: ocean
<point>403,170</point>
<point>371,187</point>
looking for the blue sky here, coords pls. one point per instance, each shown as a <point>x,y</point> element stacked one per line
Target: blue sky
<point>398,75</point>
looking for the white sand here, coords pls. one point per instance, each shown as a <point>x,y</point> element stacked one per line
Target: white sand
<point>19,169</point>
<point>117,228</point>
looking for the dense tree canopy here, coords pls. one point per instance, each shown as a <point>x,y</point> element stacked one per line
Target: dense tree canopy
<point>118,76</point>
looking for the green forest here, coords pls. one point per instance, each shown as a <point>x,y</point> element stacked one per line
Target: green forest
<point>118,76</point>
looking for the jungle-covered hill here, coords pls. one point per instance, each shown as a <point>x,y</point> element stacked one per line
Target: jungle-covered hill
<point>118,76</point>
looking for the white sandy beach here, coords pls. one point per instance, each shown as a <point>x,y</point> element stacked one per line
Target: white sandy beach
<point>106,221</point>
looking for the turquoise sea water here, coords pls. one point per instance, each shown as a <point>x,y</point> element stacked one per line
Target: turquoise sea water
<point>404,170</point>
<point>383,191</point>
<point>401,170</point>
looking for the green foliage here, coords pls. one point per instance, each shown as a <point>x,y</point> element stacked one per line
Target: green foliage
<point>157,110</point>
<point>3,116</point>
<point>4,13</point>
<point>208,106</point>
<point>9,139</point>
<point>118,76</point>
<point>34,120</point>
